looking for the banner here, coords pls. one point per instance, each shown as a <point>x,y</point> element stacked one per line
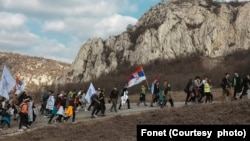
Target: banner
<point>90,92</point>
<point>7,83</point>
<point>124,97</point>
<point>136,77</point>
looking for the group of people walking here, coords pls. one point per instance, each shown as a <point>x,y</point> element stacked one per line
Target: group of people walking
<point>162,94</point>
<point>20,108</point>
<point>63,106</point>
<point>232,88</point>
<point>236,87</point>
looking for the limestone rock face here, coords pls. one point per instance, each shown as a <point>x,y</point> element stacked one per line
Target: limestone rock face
<point>167,31</point>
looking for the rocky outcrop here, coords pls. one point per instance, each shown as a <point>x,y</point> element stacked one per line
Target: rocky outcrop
<point>167,31</point>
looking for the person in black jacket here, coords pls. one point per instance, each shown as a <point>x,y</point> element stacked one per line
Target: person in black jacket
<point>113,98</point>
<point>188,90</point>
<point>226,87</point>
<point>102,102</point>
<point>246,85</point>
<point>155,95</point>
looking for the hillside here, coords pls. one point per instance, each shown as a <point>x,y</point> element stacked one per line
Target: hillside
<point>35,72</point>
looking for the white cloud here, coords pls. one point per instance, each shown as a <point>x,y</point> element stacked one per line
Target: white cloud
<point>9,20</point>
<point>113,25</point>
<point>54,26</point>
<point>56,29</point>
<point>17,40</point>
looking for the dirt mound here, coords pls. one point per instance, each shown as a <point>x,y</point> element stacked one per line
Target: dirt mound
<point>123,127</point>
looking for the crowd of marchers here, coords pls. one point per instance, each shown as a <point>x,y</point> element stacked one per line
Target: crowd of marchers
<point>62,107</point>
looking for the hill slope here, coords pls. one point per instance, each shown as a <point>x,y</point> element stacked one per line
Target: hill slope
<point>35,72</point>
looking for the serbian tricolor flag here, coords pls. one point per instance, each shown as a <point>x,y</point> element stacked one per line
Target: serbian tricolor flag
<point>136,77</point>
<point>19,86</point>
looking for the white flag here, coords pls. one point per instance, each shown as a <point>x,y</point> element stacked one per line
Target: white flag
<point>7,83</point>
<point>90,92</point>
<point>124,98</point>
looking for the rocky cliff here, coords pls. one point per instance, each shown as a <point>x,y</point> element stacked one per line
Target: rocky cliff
<point>167,31</point>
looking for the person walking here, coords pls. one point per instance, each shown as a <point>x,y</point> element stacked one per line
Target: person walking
<point>142,97</point>
<point>114,98</point>
<point>102,102</point>
<point>189,90</point>
<point>168,95</point>
<point>61,109</point>
<point>96,103</point>
<point>237,85</point>
<point>226,87</point>
<point>246,85</point>
<point>197,84</point>
<point>70,112</point>
<point>57,105</point>
<point>155,95</point>
<point>124,97</point>
<point>23,123</point>
<point>207,91</point>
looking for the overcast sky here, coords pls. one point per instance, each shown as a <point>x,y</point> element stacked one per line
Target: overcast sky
<point>56,29</point>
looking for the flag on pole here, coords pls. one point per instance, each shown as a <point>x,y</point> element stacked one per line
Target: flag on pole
<point>7,83</point>
<point>136,77</point>
<point>153,84</point>
<point>90,92</point>
<point>19,86</point>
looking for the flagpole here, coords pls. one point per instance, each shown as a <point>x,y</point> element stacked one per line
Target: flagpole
<point>147,84</point>
<point>146,80</point>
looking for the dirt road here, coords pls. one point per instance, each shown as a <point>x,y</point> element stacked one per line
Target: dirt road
<point>83,116</point>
